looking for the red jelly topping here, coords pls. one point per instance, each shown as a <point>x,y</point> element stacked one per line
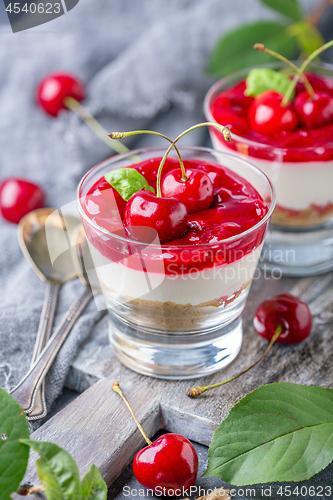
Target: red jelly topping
<point>236,207</point>
<point>231,107</point>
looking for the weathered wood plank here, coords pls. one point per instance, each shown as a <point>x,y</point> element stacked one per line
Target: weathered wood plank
<point>97,428</point>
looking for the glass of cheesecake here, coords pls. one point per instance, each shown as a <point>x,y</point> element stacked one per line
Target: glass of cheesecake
<point>175,307</point>
<point>299,163</point>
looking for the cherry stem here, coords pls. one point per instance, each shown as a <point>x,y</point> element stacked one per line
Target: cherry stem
<point>94,125</point>
<point>226,134</point>
<point>27,489</point>
<point>122,135</point>
<point>115,387</point>
<point>196,391</point>
<point>302,69</point>
<point>261,48</point>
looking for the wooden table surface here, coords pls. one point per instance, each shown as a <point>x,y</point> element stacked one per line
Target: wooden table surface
<point>97,427</point>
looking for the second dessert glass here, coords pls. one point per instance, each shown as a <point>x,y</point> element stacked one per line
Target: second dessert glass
<point>175,311</point>
<point>300,238</point>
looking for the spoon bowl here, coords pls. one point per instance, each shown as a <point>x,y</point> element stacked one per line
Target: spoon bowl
<point>44,240</point>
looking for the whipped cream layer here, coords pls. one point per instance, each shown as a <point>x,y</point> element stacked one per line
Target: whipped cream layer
<point>218,283</point>
<point>298,185</point>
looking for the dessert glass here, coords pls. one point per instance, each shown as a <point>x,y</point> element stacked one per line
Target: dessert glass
<point>175,311</point>
<point>300,238</point>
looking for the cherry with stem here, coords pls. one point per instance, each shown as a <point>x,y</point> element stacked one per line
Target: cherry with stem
<point>170,463</point>
<point>115,387</point>
<point>282,318</point>
<point>303,68</point>
<point>60,90</point>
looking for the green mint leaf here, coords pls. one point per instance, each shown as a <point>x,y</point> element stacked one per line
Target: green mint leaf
<point>93,485</point>
<point>307,36</point>
<point>13,454</point>
<point>261,79</point>
<point>235,50</point>
<point>127,181</point>
<point>57,471</point>
<point>279,432</point>
<point>289,8</point>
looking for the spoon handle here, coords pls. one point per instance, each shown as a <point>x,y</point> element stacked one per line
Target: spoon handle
<point>25,391</point>
<point>46,319</point>
<point>44,333</point>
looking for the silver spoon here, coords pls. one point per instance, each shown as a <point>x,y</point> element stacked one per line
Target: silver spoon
<point>25,392</point>
<point>35,244</point>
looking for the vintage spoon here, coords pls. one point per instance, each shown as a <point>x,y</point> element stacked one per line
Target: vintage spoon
<point>35,244</point>
<point>25,392</point>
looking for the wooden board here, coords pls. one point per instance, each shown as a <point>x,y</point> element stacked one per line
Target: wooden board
<point>97,428</point>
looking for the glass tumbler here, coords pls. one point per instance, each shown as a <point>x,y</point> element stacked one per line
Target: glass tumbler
<point>175,311</point>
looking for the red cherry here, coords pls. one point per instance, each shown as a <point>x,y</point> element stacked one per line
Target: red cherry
<point>286,310</point>
<point>53,89</point>
<point>144,210</point>
<point>197,193</point>
<point>314,112</point>
<point>267,116</point>
<point>170,462</point>
<point>18,197</point>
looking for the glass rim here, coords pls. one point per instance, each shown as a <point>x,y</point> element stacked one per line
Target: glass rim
<point>115,158</point>
<point>222,81</point>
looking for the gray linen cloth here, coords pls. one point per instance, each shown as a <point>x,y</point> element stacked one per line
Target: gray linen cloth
<point>143,63</point>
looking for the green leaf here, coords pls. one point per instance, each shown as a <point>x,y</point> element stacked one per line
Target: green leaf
<point>13,454</point>
<point>261,79</point>
<point>289,8</point>
<point>279,432</point>
<point>235,50</point>
<point>57,471</point>
<point>93,486</point>
<point>307,36</point>
<point>127,181</point>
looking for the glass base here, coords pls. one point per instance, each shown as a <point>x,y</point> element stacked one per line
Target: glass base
<point>174,355</point>
<point>298,252</point>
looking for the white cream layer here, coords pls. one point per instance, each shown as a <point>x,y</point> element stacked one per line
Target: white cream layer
<point>191,288</point>
<point>298,185</point>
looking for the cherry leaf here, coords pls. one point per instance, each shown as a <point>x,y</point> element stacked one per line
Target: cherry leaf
<point>13,454</point>
<point>261,79</point>
<point>93,485</point>
<point>279,432</point>
<point>57,470</point>
<point>127,181</point>
<point>235,50</point>
<point>307,36</point>
<point>289,8</point>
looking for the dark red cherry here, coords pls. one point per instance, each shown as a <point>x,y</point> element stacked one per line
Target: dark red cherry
<point>197,193</point>
<point>267,115</point>
<point>291,312</point>
<point>314,112</point>
<point>53,89</point>
<point>145,214</point>
<point>170,464</point>
<point>18,197</point>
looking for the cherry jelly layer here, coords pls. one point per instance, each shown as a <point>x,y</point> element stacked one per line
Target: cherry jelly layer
<point>230,107</point>
<point>237,207</point>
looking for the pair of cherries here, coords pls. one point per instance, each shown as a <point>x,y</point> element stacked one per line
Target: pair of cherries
<point>19,196</point>
<point>170,464</point>
<point>168,214</point>
<point>267,115</point>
